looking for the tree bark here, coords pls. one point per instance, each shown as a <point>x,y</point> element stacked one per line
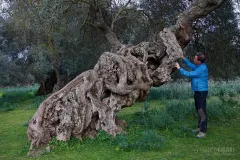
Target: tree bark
<point>92,100</point>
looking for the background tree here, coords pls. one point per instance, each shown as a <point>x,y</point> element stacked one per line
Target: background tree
<point>58,40</point>
<point>218,35</point>
<point>13,56</point>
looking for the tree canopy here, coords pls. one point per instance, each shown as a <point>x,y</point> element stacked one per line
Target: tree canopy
<point>66,37</point>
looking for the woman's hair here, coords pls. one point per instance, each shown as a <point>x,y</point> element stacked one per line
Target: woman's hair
<point>201,57</point>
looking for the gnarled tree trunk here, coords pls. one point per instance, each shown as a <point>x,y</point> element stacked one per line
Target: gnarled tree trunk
<point>92,100</point>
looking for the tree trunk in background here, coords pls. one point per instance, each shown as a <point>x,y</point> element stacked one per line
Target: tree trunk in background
<point>55,81</point>
<point>47,84</point>
<point>91,101</point>
<point>60,81</point>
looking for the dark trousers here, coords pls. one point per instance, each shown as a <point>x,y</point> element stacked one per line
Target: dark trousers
<point>200,104</point>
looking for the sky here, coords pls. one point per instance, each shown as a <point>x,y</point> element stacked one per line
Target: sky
<point>3,5</point>
<point>237,10</point>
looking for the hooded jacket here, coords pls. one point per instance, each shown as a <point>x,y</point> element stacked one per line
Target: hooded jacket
<point>198,75</point>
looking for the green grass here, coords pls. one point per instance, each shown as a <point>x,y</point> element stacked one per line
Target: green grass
<point>13,132</point>
<point>158,128</point>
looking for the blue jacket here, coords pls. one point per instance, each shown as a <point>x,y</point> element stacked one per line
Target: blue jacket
<point>198,75</point>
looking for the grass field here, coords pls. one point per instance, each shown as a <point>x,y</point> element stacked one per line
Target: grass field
<point>158,128</point>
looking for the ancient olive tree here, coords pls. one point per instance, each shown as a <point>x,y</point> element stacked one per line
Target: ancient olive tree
<point>91,101</point>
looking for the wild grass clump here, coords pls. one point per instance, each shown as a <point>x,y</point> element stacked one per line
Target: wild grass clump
<point>221,88</point>
<point>31,88</point>
<point>122,142</point>
<point>219,109</point>
<point>6,106</point>
<point>37,100</point>
<point>182,89</point>
<point>178,107</point>
<point>176,90</point>
<point>24,149</point>
<point>149,140</point>
<point>73,143</point>
<point>180,110</point>
<point>15,96</point>
<point>174,111</point>
<point>215,109</point>
<point>10,98</point>
<point>181,130</point>
<point>153,119</point>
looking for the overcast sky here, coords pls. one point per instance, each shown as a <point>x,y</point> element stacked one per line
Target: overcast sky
<point>2,6</point>
<point>237,10</point>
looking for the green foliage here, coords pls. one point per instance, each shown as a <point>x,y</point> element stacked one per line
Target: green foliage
<point>122,142</point>
<point>61,145</point>
<point>11,72</point>
<point>175,111</point>
<point>182,90</point>
<point>11,97</point>
<point>220,110</point>
<point>181,129</point>
<point>13,55</point>
<point>148,140</point>
<point>37,100</point>
<point>8,106</point>
<point>160,14</point>
<point>24,149</point>
<point>222,107</point>
<point>179,109</point>
<point>177,90</point>
<point>154,119</point>
<point>215,109</point>
<point>57,34</point>
<point>221,88</point>
<point>39,63</point>
<point>220,41</point>
<point>101,137</point>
